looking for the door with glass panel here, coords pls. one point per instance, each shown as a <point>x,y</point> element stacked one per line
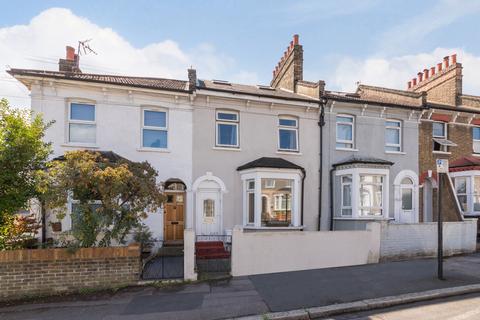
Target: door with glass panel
<point>208,213</point>
<point>407,209</point>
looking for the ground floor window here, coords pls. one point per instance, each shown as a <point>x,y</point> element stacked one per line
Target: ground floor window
<point>467,189</point>
<point>272,199</point>
<point>363,192</point>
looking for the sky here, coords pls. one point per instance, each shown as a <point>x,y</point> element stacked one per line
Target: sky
<point>373,42</point>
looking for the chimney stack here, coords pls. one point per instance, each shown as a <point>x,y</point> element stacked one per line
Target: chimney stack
<point>70,63</point>
<point>289,70</point>
<point>192,79</point>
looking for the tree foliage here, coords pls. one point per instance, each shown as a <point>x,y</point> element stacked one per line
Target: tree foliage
<point>111,196</point>
<point>23,155</point>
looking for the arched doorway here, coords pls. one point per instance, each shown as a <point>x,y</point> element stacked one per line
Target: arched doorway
<point>406,197</point>
<point>209,191</point>
<point>174,211</point>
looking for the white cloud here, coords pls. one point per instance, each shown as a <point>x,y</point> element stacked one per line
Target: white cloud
<point>395,72</point>
<point>42,42</point>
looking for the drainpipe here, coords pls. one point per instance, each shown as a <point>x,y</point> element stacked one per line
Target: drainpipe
<point>331,198</point>
<point>321,124</point>
<point>303,196</point>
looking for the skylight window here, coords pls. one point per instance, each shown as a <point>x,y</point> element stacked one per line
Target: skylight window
<point>224,82</point>
<point>265,87</point>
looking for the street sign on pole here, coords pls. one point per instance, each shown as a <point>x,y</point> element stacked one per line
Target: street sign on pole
<point>442,168</point>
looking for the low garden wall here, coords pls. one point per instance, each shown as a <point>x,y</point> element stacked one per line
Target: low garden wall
<point>26,273</point>
<point>403,241</point>
<point>279,251</point>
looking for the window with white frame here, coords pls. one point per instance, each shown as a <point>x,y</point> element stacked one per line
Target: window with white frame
<point>154,129</point>
<point>439,133</point>
<point>287,134</point>
<point>227,128</point>
<point>77,210</point>
<point>271,199</point>
<point>393,135</point>
<point>461,190</point>
<point>371,195</point>
<point>250,201</point>
<point>346,195</point>
<point>81,123</point>
<point>476,139</point>
<point>345,131</point>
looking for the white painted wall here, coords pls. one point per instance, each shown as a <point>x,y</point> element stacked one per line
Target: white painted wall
<point>400,241</point>
<point>118,121</point>
<point>269,252</point>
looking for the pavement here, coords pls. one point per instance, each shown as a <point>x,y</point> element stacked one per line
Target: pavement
<point>263,294</point>
<point>465,307</point>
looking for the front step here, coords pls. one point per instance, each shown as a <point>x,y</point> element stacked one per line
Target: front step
<point>205,250</point>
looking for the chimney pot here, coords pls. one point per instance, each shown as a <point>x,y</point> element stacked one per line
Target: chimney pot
<point>454,58</point>
<point>439,67</point>
<point>432,71</point>
<point>414,82</point>
<point>295,39</point>
<point>409,84</point>
<point>425,73</point>
<point>447,62</point>
<point>420,77</point>
<point>70,53</point>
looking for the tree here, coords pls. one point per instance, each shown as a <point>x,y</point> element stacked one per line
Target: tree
<point>111,195</point>
<point>23,155</point>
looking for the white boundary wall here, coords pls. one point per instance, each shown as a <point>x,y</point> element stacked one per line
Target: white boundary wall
<point>401,241</point>
<point>261,252</point>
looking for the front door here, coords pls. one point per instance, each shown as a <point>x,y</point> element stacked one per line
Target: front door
<point>407,208</point>
<point>174,217</point>
<point>208,213</point>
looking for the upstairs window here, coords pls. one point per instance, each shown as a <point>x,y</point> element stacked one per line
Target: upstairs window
<point>476,139</point>
<point>155,129</point>
<point>393,136</point>
<point>345,132</point>
<point>287,134</point>
<point>439,132</point>
<point>81,124</point>
<point>227,129</point>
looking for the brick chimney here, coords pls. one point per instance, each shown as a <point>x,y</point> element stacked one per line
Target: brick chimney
<point>192,79</point>
<point>289,69</point>
<point>442,84</point>
<point>71,61</point>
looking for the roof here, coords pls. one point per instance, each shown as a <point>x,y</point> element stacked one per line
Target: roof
<point>263,91</point>
<point>465,164</point>
<point>141,82</point>
<point>363,160</point>
<point>266,162</point>
<point>109,155</point>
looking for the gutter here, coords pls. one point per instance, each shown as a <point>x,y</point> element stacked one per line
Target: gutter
<point>302,196</point>
<point>321,124</point>
<point>331,197</point>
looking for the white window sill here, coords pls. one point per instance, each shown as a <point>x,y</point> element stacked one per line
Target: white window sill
<point>395,152</point>
<point>441,152</point>
<point>227,148</point>
<point>346,149</point>
<point>253,228</point>
<point>160,150</point>
<point>363,218</point>
<point>476,154</point>
<point>293,153</point>
<point>80,145</point>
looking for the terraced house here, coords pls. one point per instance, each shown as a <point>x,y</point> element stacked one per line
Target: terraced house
<point>290,155</point>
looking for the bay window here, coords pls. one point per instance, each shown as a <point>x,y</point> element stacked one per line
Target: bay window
<point>363,193</point>
<point>81,123</point>
<point>271,199</point>
<point>467,189</point>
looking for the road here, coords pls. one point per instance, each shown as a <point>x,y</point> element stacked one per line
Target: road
<point>465,307</point>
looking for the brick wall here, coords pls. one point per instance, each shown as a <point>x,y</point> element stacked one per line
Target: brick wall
<point>401,241</point>
<point>49,271</point>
